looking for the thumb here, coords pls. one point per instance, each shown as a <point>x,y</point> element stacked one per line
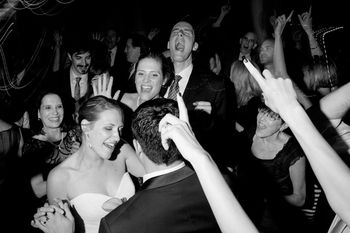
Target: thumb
<point>267,74</point>
<point>116,95</point>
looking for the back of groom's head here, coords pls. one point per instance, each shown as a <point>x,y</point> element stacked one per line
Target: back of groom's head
<point>145,124</point>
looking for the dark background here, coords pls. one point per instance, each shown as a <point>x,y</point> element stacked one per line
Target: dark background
<point>140,15</point>
<point>30,21</point>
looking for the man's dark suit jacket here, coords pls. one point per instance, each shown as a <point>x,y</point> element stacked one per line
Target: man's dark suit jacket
<point>174,202</point>
<point>120,72</point>
<point>214,132</point>
<point>61,85</point>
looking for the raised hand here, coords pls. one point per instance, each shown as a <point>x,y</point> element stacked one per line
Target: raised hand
<point>215,64</point>
<point>280,23</point>
<point>279,94</point>
<point>305,20</point>
<point>225,9</point>
<point>57,37</point>
<point>97,36</point>
<point>180,132</point>
<point>102,85</point>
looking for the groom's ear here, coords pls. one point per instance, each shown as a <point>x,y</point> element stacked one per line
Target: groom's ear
<point>137,147</point>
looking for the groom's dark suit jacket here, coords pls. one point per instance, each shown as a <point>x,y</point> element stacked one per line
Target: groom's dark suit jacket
<point>174,202</point>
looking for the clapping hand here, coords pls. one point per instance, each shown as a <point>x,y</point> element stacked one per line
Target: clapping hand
<point>180,132</point>
<point>279,94</point>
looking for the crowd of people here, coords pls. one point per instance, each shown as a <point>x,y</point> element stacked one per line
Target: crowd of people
<point>127,136</point>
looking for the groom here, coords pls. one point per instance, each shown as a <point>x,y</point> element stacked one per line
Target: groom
<point>171,197</point>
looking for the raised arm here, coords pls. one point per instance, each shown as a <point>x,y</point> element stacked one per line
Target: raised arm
<point>305,20</point>
<point>228,213</point>
<point>332,173</point>
<point>278,56</point>
<point>132,161</point>
<point>279,61</point>
<point>225,9</point>
<point>57,51</point>
<point>337,103</point>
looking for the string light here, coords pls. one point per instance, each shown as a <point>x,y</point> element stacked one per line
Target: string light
<point>7,12</point>
<point>322,33</point>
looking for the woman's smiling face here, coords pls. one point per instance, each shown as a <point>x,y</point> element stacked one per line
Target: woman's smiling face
<point>51,111</point>
<point>149,78</point>
<point>105,132</point>
<point>268,123</point>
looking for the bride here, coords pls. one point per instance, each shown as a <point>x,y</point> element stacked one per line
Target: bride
<point>89,179</point>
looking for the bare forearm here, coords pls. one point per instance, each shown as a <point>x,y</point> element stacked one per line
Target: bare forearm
<point>332,107</point>
<point>323,159</point>
<point>278,58</point>
<point>38,186</point>
<point>301,97</point>
<point>315,49</point>
<point>227,210</point>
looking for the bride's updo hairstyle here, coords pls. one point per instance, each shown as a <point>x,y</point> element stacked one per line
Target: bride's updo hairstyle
<point>92,107</point>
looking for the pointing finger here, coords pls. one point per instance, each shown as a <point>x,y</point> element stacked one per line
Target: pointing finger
<point>255,73</point>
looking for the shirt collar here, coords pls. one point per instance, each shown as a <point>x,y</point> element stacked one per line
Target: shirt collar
<point>114,50</point>
<point>185,74</point>
<point>162,172</point>
<point>73,76</point>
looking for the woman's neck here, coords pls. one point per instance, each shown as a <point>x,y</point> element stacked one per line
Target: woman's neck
<point>139,100</point>
<point>270,139</point>
<point>277,138</point>
<point>268,147</point>
<point>53,134</point>
<point>88,157</point>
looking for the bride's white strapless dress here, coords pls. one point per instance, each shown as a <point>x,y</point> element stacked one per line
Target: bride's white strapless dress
<point>89,205</point>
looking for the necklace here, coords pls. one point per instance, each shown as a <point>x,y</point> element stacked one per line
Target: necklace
<point>56,144</point>
<point>58,153</point>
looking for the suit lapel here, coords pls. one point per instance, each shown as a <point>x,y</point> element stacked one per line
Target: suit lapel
<point>195,82</point>
<point>169,178</point>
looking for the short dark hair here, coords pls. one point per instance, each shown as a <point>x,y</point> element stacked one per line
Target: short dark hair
<point>78,42</point>
<point>144,127</point>
<point>139,40</point>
